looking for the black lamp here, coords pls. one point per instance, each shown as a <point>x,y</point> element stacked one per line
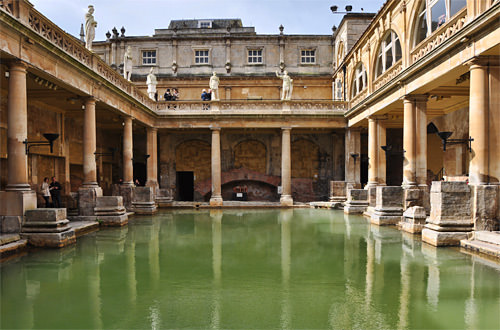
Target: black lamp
<point>354,155</point>
<point>50,137</point>
<point>445,138</point>
<point>389,152</point>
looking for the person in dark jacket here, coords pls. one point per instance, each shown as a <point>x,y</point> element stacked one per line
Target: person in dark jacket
<point>55,192</point>
<point>205,95</point>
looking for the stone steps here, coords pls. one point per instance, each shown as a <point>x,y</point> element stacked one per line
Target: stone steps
<point>486,242</point>
<point>11,244</point>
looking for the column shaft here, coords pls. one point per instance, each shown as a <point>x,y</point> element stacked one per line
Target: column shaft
<point>17,129</point>
<point>353,156</point>
<point>128,153</point>
<point>152,143</point>
<point>372,152</point>
<point>421,140</point>
<point>409,143</point>
<point>478,124</point>
<point>381,141</point>
<point>216,199</point>
<point>89,144</point>
<point>286,168</point>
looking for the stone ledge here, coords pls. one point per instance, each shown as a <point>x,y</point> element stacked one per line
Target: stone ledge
<point>448,238</point>
<point>84,227</point>
<point>481,247</point>
<point>12,248</point>
<point>53,240</point>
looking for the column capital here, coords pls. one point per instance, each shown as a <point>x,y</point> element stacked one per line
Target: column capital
<point>286,128</point>
<point>415,98</point>
<point>90,99</point>
<point>152,129</point>
<point>16,65</point>
<point>215,129</point>
<point>477,62</point>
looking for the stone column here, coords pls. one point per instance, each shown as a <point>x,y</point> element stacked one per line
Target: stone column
<point>89,145</point>
<point>90,190</point>
<point>372,152</point>
<point>18,197</point>
<point>152,147</point>
<point>17,129</point>
<point>421,138</point>
<point>478,123</point>
<point>381,159</point>
<point>216,199</point>
<point>409,142</point>
<point>286,168</point>
<point>353,164</point>
<point>128,153</point>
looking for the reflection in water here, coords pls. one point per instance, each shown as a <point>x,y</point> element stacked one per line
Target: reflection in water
<point>286,313</point>
<point>167,272</point>
<point>216,216</point>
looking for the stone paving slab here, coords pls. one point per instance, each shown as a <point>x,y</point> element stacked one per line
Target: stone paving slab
<point>8,238</point>
<point>482,247</point>
<point>84,227</point>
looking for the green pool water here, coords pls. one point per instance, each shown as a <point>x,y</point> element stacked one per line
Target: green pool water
<point>251,269</point>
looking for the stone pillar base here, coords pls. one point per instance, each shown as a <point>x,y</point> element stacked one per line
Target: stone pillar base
<point>164,197</point>
<point>127,192</point>
<point>11,224</point>
<point>485,207</point>
<point>389,206</point>
<point>286,200</point>
<point>357,201</point>
<point>417,196</point>
<point>48,228</point>
<point>110,211</point>
<point>16,203</point>
<point>144,202</point>
<point>413,220</point>
<point>87,197</point>
<point>216,201</point>
<point>443,238</point>
<point>449,220</point>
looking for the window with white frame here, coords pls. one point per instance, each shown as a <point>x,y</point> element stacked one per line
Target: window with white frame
<point>201,56</point>
<point>338,89</point>
<point>308,56</point>
<point>389,53</point>
<point>255,56</point>
<point>434,13</point>
<point>360,80</point>
<point>205,24</point>
<point>149,57</point>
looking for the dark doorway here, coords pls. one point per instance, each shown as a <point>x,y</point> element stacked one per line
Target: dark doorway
<point>140,173</point>
<point>185,186</point>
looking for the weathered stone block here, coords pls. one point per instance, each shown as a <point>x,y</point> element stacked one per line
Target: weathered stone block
<point>337,191</point>
<point>164,197</point>
<point>11,224</point>
<point>357,201</point>
<point>46,215</point>
<point>389,206</point>
<point>127,192</point>
<point>87,200</point>
<point>144,202</point>
<point>485,207</point>
<point>450,217</point>
<point>15,203</point>
<point>413,220</point>
<point>113,221</point>
<point>48,228</point>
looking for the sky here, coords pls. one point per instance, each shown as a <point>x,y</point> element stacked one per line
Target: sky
<point>141,17</point>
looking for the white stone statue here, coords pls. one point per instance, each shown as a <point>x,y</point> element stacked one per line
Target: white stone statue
<point>151,82</point>
<point>214,86</point>
<point>286,93</point>
<point>90,25</point>
<point>127,63</point>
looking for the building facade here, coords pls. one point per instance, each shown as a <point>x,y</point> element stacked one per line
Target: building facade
<point>404,79</point>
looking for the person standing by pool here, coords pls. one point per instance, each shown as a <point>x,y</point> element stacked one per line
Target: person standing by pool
<point>55,192</point>
<point>46,191</point>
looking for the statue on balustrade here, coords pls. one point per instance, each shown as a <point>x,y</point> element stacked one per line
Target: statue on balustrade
<point>214,86</point>
<point>286,93</point>
<point>127,63</point>
<point>90,25</point>
<point>151,82</point>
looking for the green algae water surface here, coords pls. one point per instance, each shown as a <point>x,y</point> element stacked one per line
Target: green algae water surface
<point>260,269</point>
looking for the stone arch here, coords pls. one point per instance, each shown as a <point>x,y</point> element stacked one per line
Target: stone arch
<point>340,52</point>
<point>250,154</point>
<point>305,159</point>
<point>412,28</point>
<point>195,156</point>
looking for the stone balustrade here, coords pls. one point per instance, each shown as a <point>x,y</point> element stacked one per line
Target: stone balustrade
<point>251,106</point>
<point>25,13</point>
<point>439,36</point>
<point>388,75</point>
